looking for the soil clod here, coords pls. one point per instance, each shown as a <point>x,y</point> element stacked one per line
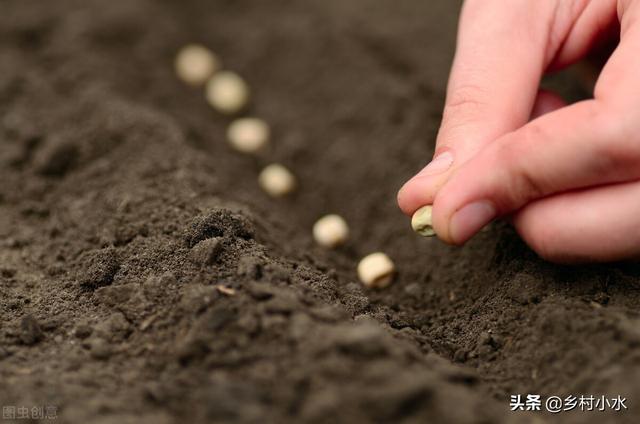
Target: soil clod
<point>100,268</point>
<point>30,330</point>
<point>218,223</point>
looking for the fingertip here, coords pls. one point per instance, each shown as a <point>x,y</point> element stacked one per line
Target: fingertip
<point>456,225</point>
<point>417,192</point>
<point>440,220</point>
<point>408,198</point>
<point>470,219</point>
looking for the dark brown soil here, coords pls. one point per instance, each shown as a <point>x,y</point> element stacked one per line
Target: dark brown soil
<point>125,219</point>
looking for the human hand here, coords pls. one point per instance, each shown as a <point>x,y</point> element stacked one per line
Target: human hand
<point>568,176</point>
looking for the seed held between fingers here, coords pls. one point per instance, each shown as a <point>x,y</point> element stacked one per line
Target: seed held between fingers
<point>195,64</point>
<point>248,135</point>
<point>227,92</point>
<point>376,270</point>
<point>421,221</point>
<point>331,231</point>
<point>277,180</point>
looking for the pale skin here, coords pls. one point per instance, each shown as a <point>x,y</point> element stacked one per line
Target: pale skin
<point>566,176</point>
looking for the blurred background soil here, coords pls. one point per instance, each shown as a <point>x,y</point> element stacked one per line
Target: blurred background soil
<point>145,278</point>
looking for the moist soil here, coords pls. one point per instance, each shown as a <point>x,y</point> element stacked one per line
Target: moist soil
<point>145,278</point>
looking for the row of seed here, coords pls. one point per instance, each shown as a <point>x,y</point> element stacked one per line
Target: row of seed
<point>229,94</point>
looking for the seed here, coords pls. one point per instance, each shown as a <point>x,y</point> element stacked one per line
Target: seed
<point>421,222</point>
<point>227,291</point>
<point>376,270</point>
<point>331,231</point>
<point>195,64</point>
<point>277,180</point>
<point>248,135</point>
<point>227,92</point>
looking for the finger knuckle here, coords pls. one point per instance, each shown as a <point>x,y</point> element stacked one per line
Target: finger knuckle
<point>617,144</point>
<point>518,181</point>
<point>464,100</point>
<point>462,110</point>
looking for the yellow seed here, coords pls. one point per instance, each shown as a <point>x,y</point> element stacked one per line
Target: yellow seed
<point>277,180</point>
<point>195,64</point>
<point>227,92</point>
<point>248,135</point>
<point>228,291</point>
<point>421,222</point>
<point>331,231</point>
<point>376,270</point>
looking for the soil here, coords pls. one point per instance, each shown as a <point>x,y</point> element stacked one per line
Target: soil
<point>145,278</point>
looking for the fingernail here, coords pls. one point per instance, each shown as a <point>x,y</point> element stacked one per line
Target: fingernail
<point>470,219</point>
<point>439,164</point>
